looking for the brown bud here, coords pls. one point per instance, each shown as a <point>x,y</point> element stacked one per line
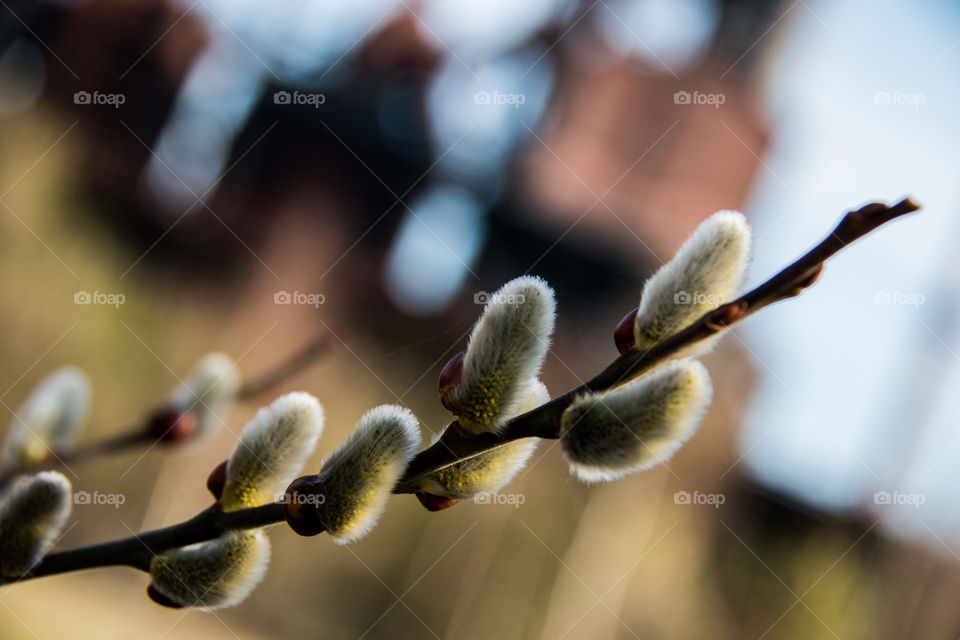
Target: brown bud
<point>871,208</point>
<point>726,315</point>
<point>161,599</point>
<point>171,425</point>
<point>435,503</point>
<point>811,277</point>
<point>450,378</point>
<point>457,429</point>
<point>217,479</point>
<point>623,335</point>
<point>300,506</point>
<point>803,283</point>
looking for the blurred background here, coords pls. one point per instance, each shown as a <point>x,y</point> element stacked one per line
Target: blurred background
<point>249,175</point>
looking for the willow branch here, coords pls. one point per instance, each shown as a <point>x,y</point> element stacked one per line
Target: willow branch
<point>542,422</point>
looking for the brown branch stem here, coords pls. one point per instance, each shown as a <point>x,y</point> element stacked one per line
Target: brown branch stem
<point>542,422</point>
<point>136,551</point>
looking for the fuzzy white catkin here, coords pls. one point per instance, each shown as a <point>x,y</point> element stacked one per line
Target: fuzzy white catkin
<point>631,428</point>
<point>271,450</point>
<point>506,349</point>
<point>31,517</point>
<point>358,477</point>
<point>707,271</point>
<point>50,418</point>
<point>208,391</point>
<point>492,470</point>
<point>218,573</point>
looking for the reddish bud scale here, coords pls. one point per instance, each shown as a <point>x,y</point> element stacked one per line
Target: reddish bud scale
<point>300,506</point>
<point>457,429</point>
<point>450,377</point>
<point>217,479</point>
<point>161,599</point>
<point>813,277</point>
<point>435,503</point>
<point>726,315</point>
<point>623,336</point>
<point>171,425</point>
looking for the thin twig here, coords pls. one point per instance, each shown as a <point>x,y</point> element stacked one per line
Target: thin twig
<point>296,363</point>
<point>140,436</point>
<point>542,422</point>
<point>59,459</point>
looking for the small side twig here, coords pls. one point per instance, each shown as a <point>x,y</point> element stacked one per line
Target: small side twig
<point>126,440</point>
<point>303,358</point>
<point>542,422</point>
<point>139,436</point>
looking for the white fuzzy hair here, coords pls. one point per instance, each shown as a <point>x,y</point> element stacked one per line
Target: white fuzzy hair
<point>50,418</point>
<point>358,477</point>
<point>506,349</point>
<point>271,450</point>
<point>208,391</point>
<point>218,573</point>
<point>631,428</point>
<point>31,517</point>
<point>707,271</point>
<point>492,470</point>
